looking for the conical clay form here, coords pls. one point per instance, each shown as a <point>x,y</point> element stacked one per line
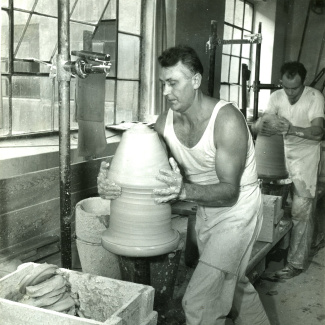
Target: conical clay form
<point>138,226</point>
<point>270,159</point>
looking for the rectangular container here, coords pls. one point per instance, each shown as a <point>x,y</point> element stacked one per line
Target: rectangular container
<point>102,300</point>
<point>272,206</point>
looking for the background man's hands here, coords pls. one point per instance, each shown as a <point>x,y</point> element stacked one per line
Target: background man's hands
<point>270,124</point>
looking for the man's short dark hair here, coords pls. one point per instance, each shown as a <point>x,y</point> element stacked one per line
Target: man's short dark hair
<point>292,68</point>
<point>183,54</point>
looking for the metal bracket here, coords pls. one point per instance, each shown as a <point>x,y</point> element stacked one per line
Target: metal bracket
<point>88,62</point>
<point>253,39</point>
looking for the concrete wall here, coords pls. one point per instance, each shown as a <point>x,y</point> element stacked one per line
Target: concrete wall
<point>193,27</point>
<point>312,46</point>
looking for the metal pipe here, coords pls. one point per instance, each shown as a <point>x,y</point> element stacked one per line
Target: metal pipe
<point>64,131</point>
<point>268,86</point>
<point>212,52</point>
<point>244,89</point>
<point>257,75</point>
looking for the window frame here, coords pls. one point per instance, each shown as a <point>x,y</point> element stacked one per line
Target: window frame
<point>228,52</point>
<point>6,126</point>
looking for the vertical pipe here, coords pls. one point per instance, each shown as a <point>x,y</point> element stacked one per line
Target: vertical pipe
<point>244,89</point>
<point>11,61</point>
<point>213,46</point>
<point>64,132</point>
<point>257,75</point>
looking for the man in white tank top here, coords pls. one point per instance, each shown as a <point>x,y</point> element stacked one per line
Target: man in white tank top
<point>213,164</point>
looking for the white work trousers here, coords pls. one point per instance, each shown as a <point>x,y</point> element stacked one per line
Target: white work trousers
<point>211,295</point>
<point>303,219</point>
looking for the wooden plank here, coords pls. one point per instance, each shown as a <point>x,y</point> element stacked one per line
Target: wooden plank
<point>43,252</point>
<point>20,225</point>
<point>26,247</point>
<point>33,188</point>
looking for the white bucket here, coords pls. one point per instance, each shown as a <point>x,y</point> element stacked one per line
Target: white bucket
<point>97,260</point>
<point>92,218</point>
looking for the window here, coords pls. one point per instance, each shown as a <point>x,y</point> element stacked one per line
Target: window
<point>29,42</point>
<point>238,23</point>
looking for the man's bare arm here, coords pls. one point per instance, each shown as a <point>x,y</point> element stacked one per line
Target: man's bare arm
<point>314,132</point>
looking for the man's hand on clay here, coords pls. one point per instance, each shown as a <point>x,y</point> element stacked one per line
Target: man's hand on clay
<point>107,189</point>
<point>174,180</point>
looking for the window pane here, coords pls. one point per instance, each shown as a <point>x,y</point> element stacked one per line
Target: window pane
<point>224,92</point>
<point>127,101</point>
<point>89,10</point>
<point>229,11</point>
<point>227,35</point>
<point>128,61</point>
<point>248,21</point>
<point>225,68</point>
<point>234,94</point>
<point>239,13</point>
<point>110,12</point>
<point>20,20</point>
<point>31,103</point>
<point>246,50</point>
<point>24,4</point>
<point>4,42</point>
<point>235,49</point>
<point>104,41</point>
<point>130,23</point>
<point>23,66</point>
<point>47,7</point>
<point>76,35</point>
<point>234,70</point>
<point>4,107</point>
<point>4,3</point>
<point>40,39</point>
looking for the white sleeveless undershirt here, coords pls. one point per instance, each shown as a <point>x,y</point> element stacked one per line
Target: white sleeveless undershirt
<point>198,162</point>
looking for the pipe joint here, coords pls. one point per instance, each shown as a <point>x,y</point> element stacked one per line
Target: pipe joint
<point>63,74</point>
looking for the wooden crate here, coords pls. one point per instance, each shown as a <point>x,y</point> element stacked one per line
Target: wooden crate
<point>103,300</point>
<point>272,214</point>
<point>272,206</point>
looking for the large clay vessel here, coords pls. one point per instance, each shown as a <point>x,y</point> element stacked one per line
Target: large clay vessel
<point>138,226</point>
<point>270,159</point>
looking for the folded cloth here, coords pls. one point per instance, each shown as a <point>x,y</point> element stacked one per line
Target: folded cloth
<point>90,107</point>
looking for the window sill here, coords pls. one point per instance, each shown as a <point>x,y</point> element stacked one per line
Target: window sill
<point>19,156</point>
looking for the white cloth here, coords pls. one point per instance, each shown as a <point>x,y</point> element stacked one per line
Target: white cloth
<point>302,155</point>
<point>224,234</point>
